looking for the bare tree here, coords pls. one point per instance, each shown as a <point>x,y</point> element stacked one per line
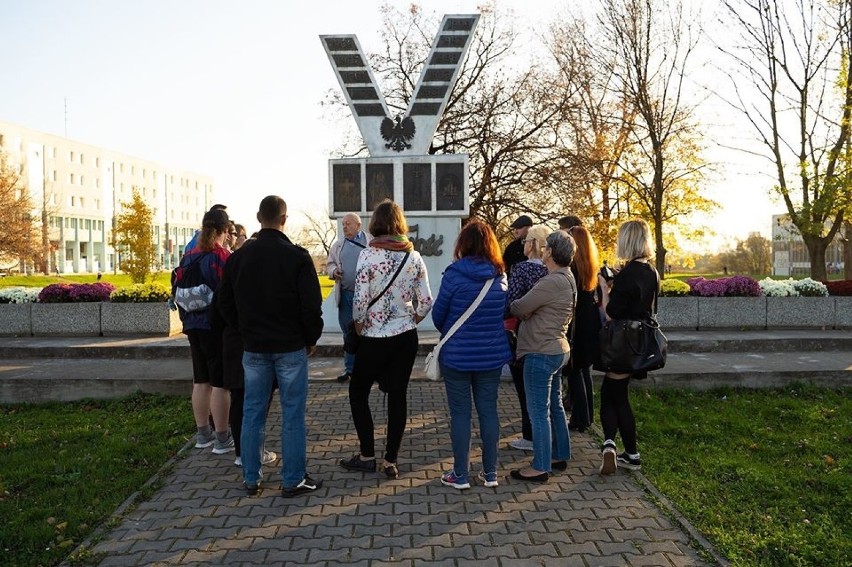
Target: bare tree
<point>789,58</point>
<point>647,46</point>
<point>317,234</point>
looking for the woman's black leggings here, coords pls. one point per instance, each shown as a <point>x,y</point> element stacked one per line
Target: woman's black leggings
<point>388,361</point>
<point>616,413</point>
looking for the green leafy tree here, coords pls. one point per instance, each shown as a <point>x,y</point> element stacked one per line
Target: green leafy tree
<point>133,238</point>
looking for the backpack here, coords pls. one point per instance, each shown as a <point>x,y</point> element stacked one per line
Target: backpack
<point>192,293</point>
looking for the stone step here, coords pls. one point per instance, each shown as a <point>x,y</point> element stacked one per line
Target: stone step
<point>55,379</point>
<point>331,344</point>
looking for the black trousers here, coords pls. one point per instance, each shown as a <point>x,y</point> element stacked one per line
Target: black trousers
<point>616,413</point>
<point>517,369</point>
<point>387,361</point>
<point>582,396</point>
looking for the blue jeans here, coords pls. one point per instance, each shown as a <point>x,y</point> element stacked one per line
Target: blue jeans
<point>544,403</point>
<point>484,386</point>
<point>344,317</point>
<point>290,370</point>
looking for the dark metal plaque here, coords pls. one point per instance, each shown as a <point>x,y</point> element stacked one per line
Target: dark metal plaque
<point>416,186</point>
<point>379,183</point>
<point>449,193</point>
<point>346,187</point>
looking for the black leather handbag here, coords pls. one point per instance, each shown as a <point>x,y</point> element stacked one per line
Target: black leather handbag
<point>628,346</point>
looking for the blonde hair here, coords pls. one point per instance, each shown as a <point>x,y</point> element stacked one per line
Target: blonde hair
<point>634,240</point>
<point>539,233</point>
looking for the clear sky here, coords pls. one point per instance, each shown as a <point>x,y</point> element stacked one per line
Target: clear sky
<point>233,90</point>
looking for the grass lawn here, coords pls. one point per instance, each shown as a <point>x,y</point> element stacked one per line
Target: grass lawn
<point>118,280</point>
<point>764,475</point>
<point>65,467</point>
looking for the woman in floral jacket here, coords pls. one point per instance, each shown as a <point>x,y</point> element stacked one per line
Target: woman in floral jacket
<point>386,316</point>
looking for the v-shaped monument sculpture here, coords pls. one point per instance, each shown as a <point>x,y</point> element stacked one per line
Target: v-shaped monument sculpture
<point>400,166</point>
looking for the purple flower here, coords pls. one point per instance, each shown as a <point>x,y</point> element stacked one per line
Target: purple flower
<point>735,286</point>
<point>76,293</point>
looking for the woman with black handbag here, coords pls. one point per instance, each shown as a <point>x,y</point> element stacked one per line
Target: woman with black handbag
<point>634,290</point>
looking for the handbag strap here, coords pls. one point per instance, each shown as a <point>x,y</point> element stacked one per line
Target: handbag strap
<point>471,308</point>
<point>390,283</point>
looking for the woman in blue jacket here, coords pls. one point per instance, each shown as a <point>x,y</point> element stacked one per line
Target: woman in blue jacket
<point>471,360</point>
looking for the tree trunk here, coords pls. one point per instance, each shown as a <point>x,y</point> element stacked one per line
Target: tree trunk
<point>847,250</point>
<point>816,252</point>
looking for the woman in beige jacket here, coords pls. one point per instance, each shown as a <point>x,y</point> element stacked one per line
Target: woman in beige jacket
<point>546,311</point>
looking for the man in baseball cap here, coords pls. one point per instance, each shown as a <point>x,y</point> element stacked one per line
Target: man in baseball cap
<point>514,252</point>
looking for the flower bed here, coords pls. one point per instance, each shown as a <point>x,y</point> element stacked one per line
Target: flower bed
<point>87,310</point>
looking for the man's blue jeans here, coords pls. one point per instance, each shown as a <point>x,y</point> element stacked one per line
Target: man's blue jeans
<point>484,386</point>
<point>547,416</point>
<point>290,370</point>
<point>344,317</point>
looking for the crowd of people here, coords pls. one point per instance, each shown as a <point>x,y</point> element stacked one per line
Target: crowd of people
<point>252,311</point>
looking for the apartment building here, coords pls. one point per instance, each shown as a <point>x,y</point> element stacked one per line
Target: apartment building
<point>82,187</point>
<point>790,255</point>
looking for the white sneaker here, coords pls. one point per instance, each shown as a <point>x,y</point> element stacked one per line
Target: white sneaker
<point>610,462</point>
<point>522,444</point>
<point>268,458</point>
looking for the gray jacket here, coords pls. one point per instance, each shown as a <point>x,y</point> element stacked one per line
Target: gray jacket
<point>551,305</point>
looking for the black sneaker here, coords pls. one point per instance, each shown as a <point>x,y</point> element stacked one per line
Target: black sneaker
<point>307,485</point>
<point>344,378</point>
<point>357,464</point>
<point>625,461</point>
<point>251,489</point>
<point>391,471</point>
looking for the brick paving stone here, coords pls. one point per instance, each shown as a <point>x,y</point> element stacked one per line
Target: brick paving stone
<point>202,516</point>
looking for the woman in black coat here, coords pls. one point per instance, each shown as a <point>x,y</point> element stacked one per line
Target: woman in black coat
<point>634,290</point>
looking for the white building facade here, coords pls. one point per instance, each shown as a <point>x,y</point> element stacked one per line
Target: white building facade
<point>790,255</point>
<point>80,189</point>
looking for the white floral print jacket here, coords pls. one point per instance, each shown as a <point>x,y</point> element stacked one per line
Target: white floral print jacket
<point>394,313</point>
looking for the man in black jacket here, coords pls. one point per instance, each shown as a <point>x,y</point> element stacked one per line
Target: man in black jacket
<point>271,293</point>
<point>514,252</point>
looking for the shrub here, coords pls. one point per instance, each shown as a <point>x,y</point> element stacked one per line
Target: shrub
<point>839,288</point>
<point>76,293</point>
<point>810,288</point>
<point>735,286</point>
<point>140,293</point>
<point>19,294</point>
<point>674,288</point>
<point>778,288</point>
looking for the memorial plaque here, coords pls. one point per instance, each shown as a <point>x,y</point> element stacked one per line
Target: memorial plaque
<point>379,183</point>
<point>346,187</point>
<point>449,188</point>
<point>417,186</point>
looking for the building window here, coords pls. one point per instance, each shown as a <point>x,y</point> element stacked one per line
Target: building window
<point>71,178</point>
<point>53,198</point>
<point>132,170</point>
<point>144,173</point>
<point>54,153</point>
<point>98,204</point>
<point>97,183</point>
<point>82,179</point>
<point>121,168</point>
<point>81,159</point>
<point>81,202</point>
<point>73,201</point>
<point>70,156</point>
<point>88,224</point>
<point>97,162</point>
<point>54,175</point>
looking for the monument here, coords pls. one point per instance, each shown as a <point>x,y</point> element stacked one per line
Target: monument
<point>432,189</point>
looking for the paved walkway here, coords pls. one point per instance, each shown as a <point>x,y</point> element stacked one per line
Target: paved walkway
<point>201,516</point>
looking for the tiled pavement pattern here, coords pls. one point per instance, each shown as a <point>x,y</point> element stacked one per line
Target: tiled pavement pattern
<point>201,516</point>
